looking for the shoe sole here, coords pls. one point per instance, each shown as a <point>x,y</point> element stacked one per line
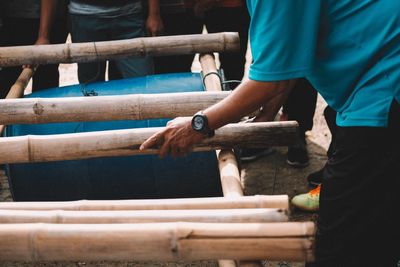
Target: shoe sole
<point>305,209</point>
<point>297,164</point>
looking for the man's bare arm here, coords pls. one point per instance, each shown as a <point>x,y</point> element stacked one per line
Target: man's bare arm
<point>47,16</point>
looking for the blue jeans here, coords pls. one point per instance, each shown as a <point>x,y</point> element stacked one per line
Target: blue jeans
<point>93,29</point>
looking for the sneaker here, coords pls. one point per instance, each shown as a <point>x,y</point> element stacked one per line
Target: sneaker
<point>251,154</point>
<point>308,201</point>
<point>297,156</point>
<point>315,178</point>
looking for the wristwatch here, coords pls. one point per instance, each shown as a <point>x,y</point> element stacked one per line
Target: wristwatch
<point>200,124</point>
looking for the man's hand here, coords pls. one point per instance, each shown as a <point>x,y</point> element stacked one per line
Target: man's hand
<point>201,6</point>
<point>154,25</point>
<point>42,41</point>
<point>177,139</point>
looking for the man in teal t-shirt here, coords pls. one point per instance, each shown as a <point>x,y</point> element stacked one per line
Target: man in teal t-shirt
<point>350,51</point>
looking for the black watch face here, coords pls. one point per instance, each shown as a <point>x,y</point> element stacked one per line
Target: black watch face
<point>198,123</point>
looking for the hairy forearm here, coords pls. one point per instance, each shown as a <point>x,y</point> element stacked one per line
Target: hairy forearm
<point>248,97</point>
<point>47,15</point>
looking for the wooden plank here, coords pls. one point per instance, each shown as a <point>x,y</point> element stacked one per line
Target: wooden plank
<point>144,216</point>
<point>246,202</point>
<point>170,241</point>
<point>228,167</point>
<point>105,108</point>
<point>137,47</point>
<point>35,148</point>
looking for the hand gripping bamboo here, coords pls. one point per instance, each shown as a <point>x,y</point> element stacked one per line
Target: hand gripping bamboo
<point>43,148</point>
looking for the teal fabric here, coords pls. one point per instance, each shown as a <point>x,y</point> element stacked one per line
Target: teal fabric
<point>348,49</point>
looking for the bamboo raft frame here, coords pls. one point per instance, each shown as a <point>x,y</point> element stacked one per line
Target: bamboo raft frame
<point>106,234</point>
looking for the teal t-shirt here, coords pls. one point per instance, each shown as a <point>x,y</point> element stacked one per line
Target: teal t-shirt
<point>348,49</point>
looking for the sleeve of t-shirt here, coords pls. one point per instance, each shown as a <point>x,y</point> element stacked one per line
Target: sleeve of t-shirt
<point>283,36</point>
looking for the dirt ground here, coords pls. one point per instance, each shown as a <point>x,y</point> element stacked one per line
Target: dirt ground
<point>268,175</point>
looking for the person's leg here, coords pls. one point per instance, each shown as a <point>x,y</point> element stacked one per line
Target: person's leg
<point>47,76</point>
<point>358,220</point>
<point>231,19</point>
<point>128,27</point>
<point>300,106</point>
<point>178,24</point>
<point>315,178</point>
<point>89,29</point>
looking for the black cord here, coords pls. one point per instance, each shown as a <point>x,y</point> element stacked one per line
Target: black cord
<point>212,73</point>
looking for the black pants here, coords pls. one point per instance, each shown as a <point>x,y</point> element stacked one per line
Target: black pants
<point>216,20</point>
<point>359,221</point>
<point>300,106</point>
<point>19,31</point>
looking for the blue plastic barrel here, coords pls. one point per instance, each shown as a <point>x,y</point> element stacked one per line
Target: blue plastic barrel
<point>144,176</point>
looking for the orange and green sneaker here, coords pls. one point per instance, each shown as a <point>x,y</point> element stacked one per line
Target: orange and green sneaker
<point>308,201</point>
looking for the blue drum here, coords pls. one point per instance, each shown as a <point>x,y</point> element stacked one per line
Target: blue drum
<point>130,177</point>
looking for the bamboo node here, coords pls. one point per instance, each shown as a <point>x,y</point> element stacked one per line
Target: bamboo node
<point>30,151</point>
<point>38,109</point>
<point>32,245</point>
<point>68,52</point>
<point>142,49</point>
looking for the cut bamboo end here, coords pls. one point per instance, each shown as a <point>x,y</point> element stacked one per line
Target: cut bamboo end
<point>246,202</point>
<point>127,142</point>
<point>171,241</point>
<point>146,216</point>
<point>105,108</point>
<point>137,47</point>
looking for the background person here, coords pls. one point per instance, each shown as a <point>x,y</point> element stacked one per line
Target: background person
<point>104,20</point>
<point>189,16</point>
<point>27,22</point>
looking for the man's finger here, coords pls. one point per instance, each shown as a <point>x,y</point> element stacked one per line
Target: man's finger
<point>153,141</point>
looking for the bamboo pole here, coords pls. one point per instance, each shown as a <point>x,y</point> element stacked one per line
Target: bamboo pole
<point>227,163</point>
<point>137,47</point>
<point>246,202</point>
<point>161,242</point>
<point>105,108</point>
<point>32,148</point>
<point>144,216</point>
<point>17,90</point>
<point>228,167</point>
